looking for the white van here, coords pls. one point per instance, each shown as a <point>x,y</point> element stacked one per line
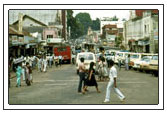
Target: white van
<point>88,58</point>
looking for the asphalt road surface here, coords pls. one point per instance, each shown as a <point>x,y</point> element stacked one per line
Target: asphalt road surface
<point>59,86</point>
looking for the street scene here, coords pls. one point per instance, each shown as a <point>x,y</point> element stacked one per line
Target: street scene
<point>83,57</point>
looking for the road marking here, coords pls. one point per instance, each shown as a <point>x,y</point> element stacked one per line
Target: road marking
<point>50,80</point>
<point>66,80</point>
<point>132,82</point>
<point>56,84</point>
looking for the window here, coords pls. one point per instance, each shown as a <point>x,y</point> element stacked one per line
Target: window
<point>49,36</point>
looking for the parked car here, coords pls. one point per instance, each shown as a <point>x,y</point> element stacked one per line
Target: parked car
<point>153,67</point>
<point>139,60</point>
<point>134,57</point>
<point>154,63</point>
<point>88,58</point>
<point>145,61</point>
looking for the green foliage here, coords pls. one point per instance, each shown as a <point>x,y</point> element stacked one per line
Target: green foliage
<point>96,24</point>
<point>80,23</point>
<point>76,27</point>
<point>115,18</point>
<point>118,40</point>
<point>85,20</point>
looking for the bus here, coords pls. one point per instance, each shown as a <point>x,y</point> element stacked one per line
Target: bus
<point>64,51</point>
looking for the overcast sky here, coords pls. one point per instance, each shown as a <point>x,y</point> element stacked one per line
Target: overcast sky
<point>105,13</point>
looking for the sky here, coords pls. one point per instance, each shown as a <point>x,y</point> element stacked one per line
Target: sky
<point>105,13</point>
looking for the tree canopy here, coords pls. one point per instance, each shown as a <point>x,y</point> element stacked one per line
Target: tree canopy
<point>80,23</point>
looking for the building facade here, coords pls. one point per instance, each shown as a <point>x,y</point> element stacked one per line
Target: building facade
<point>141,31</point>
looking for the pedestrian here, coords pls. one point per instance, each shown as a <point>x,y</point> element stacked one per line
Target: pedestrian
<point>23,70</point>
<point>39,64</point>
<point>30,73</point>
<point>81,75</point>
<point>27,74</point>
<point>60,60</point>
<point>127,60</point>
<point>102,69</point>
<point>34,61</point>
<point>56,61</point>
<point>45,62</point>
<point>73,58</point>
<point>119,62</point>
<point>50,61</point>
<point>112,84</point>
<point>91,81</point>
<point>18,75</point>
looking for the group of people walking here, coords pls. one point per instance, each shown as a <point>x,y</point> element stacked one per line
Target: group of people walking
<point>87,78</point>
<point>23,69</point>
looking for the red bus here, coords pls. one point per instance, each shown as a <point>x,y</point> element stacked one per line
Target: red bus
<point>64,51</point>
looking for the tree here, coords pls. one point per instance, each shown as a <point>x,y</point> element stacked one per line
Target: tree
<point>85,20</point>
<point>118,40</point>
<point>77,29</point>
<point>96,24</point>
<point>115,18</point>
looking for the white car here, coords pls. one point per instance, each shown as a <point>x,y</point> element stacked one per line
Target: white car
<point>145,60</point>
<point>88,58</point>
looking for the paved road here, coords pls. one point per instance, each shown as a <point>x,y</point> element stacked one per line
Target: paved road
<point>59,86</point>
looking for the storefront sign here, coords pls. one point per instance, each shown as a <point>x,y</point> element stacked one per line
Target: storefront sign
<point>19,60</point>
<point>54,40</point>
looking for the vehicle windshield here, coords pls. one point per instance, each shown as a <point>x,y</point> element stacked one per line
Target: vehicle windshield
<point>155,58</point>
<point>134,56</point>
<point>86,56</point>
<point>146,58</point>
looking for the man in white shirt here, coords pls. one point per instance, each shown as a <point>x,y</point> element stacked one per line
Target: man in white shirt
<point>112,84</point>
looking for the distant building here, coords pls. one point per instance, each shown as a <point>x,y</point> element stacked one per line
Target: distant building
<point>54,18</point>
<point>109,21</point>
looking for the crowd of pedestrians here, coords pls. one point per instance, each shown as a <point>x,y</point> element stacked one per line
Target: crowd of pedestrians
<point>23,66</point>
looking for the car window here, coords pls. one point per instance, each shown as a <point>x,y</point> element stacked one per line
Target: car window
<point>146,58</point>
<point>155,58</point>
<point>86,56</point>
<point>134,56</point>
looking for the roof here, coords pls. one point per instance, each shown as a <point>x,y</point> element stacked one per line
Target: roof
<point>110,26</point>
<point>26,16</point>
<point>13,29</point>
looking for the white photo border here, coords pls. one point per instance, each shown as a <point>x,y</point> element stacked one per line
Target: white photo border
<point>160,7</point>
